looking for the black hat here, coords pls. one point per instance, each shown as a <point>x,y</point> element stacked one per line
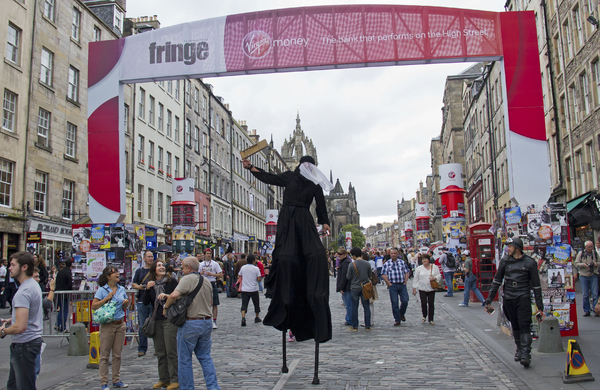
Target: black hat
<point>516,242</point>
<point>307,159</point>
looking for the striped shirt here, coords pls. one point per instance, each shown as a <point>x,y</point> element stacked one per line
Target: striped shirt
<point>395,270</point>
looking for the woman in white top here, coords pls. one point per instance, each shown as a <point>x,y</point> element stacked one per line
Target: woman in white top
<point>424,275</point>
<point>250,277</point>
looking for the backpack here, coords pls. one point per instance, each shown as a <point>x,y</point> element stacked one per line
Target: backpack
<point>177,312</point>
<point>450,260</point>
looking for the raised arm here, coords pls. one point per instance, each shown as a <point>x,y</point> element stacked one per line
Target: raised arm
<point>278,180</point>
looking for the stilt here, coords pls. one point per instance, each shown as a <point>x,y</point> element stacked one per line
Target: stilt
<point>316,377</point>
<point>284,369</point>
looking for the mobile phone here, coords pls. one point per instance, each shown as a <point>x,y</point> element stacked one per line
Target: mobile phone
<point>490,310</point>
<point>540,317</point>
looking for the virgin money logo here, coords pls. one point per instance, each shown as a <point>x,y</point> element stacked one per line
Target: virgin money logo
<point>179,188</point>
<point>257,44</point>
<point>451,175</point>
<point>422,208</point>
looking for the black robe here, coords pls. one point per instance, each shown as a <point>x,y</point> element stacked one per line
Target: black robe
<point>298,281</point>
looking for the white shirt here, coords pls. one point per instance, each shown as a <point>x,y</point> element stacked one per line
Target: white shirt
<point>2,273</point>
<point>249,273</point>
<point>421,278</point>
<point>212,267</point>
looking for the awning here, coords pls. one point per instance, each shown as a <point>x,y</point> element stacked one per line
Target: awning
<point>577,201</point>
<point>584,210</point>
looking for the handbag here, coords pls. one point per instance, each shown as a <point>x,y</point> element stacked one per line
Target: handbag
<point>434,283</point>
<point>597,308</point>
<point>149,325</point>
<point>106,313</point>
<point>367,288</point>
<point>177,312</point>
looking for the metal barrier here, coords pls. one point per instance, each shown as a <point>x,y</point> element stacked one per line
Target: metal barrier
<point>69,307</point>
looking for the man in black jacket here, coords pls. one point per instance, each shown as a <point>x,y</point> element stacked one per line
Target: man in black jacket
<point>64,282</point>
<point>520,274</point>
<point>343,284</point>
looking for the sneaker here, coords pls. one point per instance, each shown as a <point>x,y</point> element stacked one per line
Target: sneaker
<point>243,322</point>
<point>257,320</point>
<point>482,303</point>
<point>105,387</point>
<point>368,329</point>
<point>587,314</point>
<point>214,324</point>
<point>354,329</point>
<point>447,295</point>
<point>141,353</point>
<point>463,305</point>
<point>120,385</point>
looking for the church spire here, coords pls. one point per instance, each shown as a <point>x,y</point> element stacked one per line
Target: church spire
<point>331,176</point>
<point>298,120</point>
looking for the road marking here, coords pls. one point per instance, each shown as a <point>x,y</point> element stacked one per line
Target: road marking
<point>285,377</point>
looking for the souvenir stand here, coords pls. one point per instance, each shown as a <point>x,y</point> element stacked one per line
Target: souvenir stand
<point>545,234</point>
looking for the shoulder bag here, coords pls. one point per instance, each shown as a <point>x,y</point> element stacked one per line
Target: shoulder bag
<point>434,283</point>
<point>367,288</point>
<point>148,328</point>
<point>106,313</point>
<point>177,312</point>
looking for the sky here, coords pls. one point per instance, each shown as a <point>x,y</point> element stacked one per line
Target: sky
<point>372,127</point>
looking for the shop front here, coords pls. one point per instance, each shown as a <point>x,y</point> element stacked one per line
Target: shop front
<point>584,218</point>
<point>55,242</point>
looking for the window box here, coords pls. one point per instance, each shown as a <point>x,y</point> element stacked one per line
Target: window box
<point>151,167</point>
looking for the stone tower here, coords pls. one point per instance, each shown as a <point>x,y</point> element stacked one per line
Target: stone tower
<point>296,146</point>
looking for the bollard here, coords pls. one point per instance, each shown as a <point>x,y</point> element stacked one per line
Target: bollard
<point>78,343</point>
<point>94,356</point>
<point>550,341</point>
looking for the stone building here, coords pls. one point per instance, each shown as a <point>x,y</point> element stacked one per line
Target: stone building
<point>341,207</point>
<point>296,146</point>
<point>43,153</point>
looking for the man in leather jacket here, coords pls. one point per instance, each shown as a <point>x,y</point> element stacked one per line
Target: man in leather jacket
<point>520,275</point>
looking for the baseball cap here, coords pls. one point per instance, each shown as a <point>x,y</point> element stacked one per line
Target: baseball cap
<point>467,252</point>
<point>516,242</point>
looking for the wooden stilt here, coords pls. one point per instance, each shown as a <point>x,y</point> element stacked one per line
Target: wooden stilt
<point>316,377</point>
<point>284,368</point>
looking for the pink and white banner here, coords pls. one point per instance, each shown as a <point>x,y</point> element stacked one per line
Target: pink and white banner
<point>294,39</point>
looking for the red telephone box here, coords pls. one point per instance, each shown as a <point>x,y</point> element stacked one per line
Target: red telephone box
<point>481,245</point>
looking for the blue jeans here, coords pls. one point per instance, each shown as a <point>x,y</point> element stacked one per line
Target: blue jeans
<point>63,312</point>
<point>260,286</point>
<point>195,336</point>
<point>448,277</point>
<point>589,288</point>
<point>471,284</point>
<point>22,364</point>
<point>144,311</point>
<point>347,299</point>
<point>398,289</point>
<point>356,295</point>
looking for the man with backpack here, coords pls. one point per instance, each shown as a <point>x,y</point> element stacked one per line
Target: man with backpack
<point>448,263</point>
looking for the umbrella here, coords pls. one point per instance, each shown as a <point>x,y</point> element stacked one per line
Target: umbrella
<point>164,249</point>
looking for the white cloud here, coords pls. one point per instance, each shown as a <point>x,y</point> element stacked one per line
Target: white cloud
<point>371,126</point>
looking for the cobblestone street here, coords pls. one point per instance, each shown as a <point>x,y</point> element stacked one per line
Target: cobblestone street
<point>414,355</point>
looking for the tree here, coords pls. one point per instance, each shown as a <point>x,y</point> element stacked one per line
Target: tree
<point>358,239</point>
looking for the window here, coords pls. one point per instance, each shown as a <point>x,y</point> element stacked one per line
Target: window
<point>126,118</point>
<point>188,168</point>
<point>150,154</point>
<point>159,204</point>
<point>6,181</point>
<point>567,35</point>
<point>204,107</point>
<point>169,119</point>
<point>585,92</point>
<point>141,141</point>
<point>168,164</point>
<point>177,90</point>
<point>97,34</point>
<point>41,186</point>
<point>150,203</point>
<point>204,215</point>
<point>574,105</point>
<point>176,138</point>
<point>590,7</point>
<point>73,91</point>
<point>196,100</point>
<point>142,104</point>
<point>140,201</point>
<point>204,180</point>
<point>177,166</point>
<point>188,98</point>
<point>46,66</point>
<point>196,176</point>
<point>118,19</point>
<point>168,206</point>
<point>13,44</point>
<point>161,114</point>
<point>43,128</point>
<point>196,139</point>
<point>71,140</point>
<point>68,198</point>
<point>592,166</point>
<point>581,172</point>
<point>75,24</point>
<point>151,111</point>
<point>160,160</point>
<point>596,88</point>
<point>578,28</point>
<point>188,131</point>
<point>9,108</point>
<point>170,87</point>
<point>49,9</point>
<point>205,145</point>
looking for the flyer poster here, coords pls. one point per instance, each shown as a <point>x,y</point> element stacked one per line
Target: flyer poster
<point>140,238</point>
<point>512,215</point>
<point>81,241</point>
<point>556,278</point>
<point>96,262</point>
<point>97,237</point>
<point>117,236</point>
<point>106,243</point>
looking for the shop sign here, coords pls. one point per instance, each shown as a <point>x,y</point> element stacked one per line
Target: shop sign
<point>44,227</point>
<point>34,237</point>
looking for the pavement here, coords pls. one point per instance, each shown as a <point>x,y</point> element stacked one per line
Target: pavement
<point>463,350</point>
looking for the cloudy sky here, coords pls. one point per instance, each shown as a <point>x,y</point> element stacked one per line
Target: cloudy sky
<point>371,126</point>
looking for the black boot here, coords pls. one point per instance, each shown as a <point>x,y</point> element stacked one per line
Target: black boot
<point>517,336</point>
<point>526,348</point>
